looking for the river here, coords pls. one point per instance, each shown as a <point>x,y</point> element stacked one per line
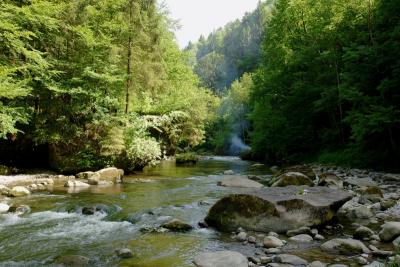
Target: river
<point>55,227</point>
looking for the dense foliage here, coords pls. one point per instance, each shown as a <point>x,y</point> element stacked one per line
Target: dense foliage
<point>226,54</point>
<point>329,83</point>
<point>97,82</point>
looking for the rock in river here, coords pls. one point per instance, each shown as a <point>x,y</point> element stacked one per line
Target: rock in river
<point>111,174</point>
<point>221,259</point>
<point>276,209</point>
<point>292,178</point>
<point>177,226</point>
<point>238,181</point>
<point>389,232</point>
<point>76,184</point>
<point>19,191</point>
<point>4,208</point>
<point>344,246</point>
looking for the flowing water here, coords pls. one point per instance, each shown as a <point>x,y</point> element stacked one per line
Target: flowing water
<point>56,227</point>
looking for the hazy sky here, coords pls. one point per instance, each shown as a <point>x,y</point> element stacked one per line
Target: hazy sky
<point>203,16</point>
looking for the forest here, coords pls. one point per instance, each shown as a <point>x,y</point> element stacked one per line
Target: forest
<point>87,84</point>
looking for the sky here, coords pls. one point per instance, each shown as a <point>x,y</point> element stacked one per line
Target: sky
<point>198,17</point>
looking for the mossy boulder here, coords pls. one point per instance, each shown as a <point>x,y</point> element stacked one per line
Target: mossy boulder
<point>292,178</point>
<point>276,209</point>
<point>304,169</point>
<point>177,226</point>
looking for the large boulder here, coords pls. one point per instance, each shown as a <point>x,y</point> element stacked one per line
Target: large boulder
<point>111,174</point>
<point>292,178</point>
<point>238,181</point>
<point>19,191</point>
<point>390,231</point>
<point>221,259</point>
<point>344,246</point>
<point>276,209</point>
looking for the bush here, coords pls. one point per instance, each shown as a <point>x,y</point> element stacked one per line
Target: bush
<point>185,158</point>
<point>142,152</point>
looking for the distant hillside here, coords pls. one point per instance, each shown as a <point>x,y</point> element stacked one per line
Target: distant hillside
<point>230,51</point>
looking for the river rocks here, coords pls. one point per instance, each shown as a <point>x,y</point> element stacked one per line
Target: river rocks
<point>330,180</point>
<point>242,236</point>
<point>291,259</point>
<point>353,210</point>
<point>229,172</point>
<point>272,242</point>
<point>390,231</point>
<point>396,243</point>
<point>292,178</point>
<point>86,175</point>
<point>238,181</point>
<point>124,253</point>
<point>363,232</point>
<point>344,246</point>
<point>303,169</point>
<point>111,174</point>
<point>317,264</point>
<point>301,230</point>
<point>4,208</point>
<point>177,226</point>
<point>276,209</point>
<point>19,191</point>
<point>359,182</point>
<point>73,184</point>
<point>303,238</point>
<point>221,259</point>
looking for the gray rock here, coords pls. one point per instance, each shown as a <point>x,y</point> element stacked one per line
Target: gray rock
<point>242,236</point>
<point>359,182</point>
<point>375,264</point>
<point>221,259</point>
<point>229,172</point>
<point>301,230</point>
<point>317,264</point>
<point>272,251</point>
<point>272,242</point>
<point>279,265</point>
<point>124,253</point>
<point>276,209</point>
<point>319,237</point>
<point>303,238</point>
<point>291,259</point>
<point>361,260</point>
<point>239,181</point>
<point>330,180</point>
<point>363,233</point>
<point>252,239</point>
<point>344,246</point>
<point>390,231</point>
<point>396,243</point>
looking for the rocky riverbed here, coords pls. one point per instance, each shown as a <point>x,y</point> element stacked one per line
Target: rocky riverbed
<point>221,212</point>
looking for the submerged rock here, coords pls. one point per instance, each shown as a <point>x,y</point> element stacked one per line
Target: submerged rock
<point>303,238</point>
<point>291,259</point>
<point>74,261</point>
<point>292,178</point>
<point>76,184</point>
<point>124,253</point>
<point>344,246</point>
<point>177,226</point>
<point>221,259</point>
<point>238,181</point>
<point>276,209</point>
